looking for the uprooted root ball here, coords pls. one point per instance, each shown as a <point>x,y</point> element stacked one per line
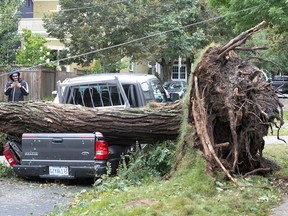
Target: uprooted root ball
<point>232,109</point>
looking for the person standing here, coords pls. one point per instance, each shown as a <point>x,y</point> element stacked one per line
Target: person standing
<point>16,88</point>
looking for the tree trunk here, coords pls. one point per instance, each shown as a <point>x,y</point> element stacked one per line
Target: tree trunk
<point>188,67</point>
<point>122,126</point>
<point>166,70</point>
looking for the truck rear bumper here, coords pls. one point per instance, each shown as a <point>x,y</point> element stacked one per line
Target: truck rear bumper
<point>74,172</point>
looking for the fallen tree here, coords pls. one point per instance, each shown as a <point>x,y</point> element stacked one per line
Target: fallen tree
<point>230,110</point>
<point>124,126</point>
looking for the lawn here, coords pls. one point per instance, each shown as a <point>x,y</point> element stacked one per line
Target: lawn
<point>190,191</point>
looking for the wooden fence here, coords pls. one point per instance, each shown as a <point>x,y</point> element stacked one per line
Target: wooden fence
<point>41,81</point>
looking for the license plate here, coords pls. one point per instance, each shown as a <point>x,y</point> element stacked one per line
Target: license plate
<point>58,171</point>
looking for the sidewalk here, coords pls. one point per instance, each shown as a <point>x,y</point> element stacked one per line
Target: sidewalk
<point>274,140</point>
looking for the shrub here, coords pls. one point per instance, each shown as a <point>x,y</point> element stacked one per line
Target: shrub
<point>147,164</point>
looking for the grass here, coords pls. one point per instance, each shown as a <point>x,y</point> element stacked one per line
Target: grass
<point>278,154</point>
<point>190,191</point>
<point>284,129</point>
<point>6,171</point>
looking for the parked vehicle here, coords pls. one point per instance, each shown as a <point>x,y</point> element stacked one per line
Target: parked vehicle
<point>63,156</point>
<point>111,90</point>
<point>280,83</point>
<point>83,155</point>
<point>176,89</point>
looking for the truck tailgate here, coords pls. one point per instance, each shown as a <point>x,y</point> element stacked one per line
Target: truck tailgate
<point>47,148</point>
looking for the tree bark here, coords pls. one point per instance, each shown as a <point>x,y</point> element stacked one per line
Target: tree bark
<point>167,69</point>
<point>120,126</point>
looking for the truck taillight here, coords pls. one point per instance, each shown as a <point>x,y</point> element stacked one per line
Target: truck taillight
<point>9,155</point>
<point>101,150</point>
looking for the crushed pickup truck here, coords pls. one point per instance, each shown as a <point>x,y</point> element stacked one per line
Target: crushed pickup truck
<point>63,156</point>
<point>83,155</point>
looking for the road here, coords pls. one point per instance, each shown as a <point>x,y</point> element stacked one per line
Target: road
<point>23,198</point>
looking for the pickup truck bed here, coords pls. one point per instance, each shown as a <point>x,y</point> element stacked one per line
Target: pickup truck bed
<point>64,155</point>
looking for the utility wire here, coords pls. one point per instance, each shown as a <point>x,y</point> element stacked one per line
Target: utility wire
<point>138,39</point>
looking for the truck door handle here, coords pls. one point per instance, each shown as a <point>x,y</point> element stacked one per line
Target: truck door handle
<point>57,140</point>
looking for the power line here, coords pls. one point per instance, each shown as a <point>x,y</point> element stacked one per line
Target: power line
<point>138,39</point>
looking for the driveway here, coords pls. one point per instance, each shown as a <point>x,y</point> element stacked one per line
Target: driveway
<point>24,198</point>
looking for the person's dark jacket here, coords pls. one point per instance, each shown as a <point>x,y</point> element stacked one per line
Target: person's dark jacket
<point>16,94</point>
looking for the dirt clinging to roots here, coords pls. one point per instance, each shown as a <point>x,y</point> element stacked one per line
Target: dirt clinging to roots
<point>236,107</point>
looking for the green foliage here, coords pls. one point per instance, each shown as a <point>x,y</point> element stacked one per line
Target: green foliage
<point>275,13</point>
<point>243,15</point>
<point>97,67</point>
<point>3,140</point>
<point>49,98</point>
<point>152,162</point>
<point>9,39</point>
<point>6,171</point>
<point>131,29</point>
<point>33,50</point>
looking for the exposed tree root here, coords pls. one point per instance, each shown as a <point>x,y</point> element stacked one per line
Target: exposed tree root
<point>232,109</point>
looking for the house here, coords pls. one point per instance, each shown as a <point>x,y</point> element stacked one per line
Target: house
<point>32,14</point>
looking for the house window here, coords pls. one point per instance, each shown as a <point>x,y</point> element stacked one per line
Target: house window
<point>178,75</point>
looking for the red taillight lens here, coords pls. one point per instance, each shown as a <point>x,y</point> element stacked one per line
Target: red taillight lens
<point>101,150</point>
<point>9,155</point>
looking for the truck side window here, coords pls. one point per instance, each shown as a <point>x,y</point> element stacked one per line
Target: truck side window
<point>87,98</point>
<point>159,91</point>
<point>147,93</point>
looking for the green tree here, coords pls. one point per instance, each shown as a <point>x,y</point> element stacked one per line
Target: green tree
<point>242,15</point>
<point>9,20</point>
<point>275,13</point>
<point>132,28</point>
<point>33,50</point>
